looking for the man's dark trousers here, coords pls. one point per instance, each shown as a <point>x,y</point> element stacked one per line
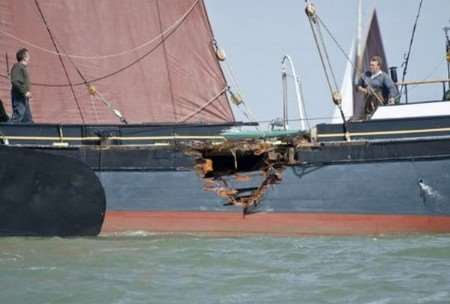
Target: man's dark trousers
<point>21,108</point>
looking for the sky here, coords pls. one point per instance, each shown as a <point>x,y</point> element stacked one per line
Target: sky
<point>256,34</point>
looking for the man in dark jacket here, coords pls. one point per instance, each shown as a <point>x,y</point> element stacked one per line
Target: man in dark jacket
<point>377,86</point>
<point>21,89</point>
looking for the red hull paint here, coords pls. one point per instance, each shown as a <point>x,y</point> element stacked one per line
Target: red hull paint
<point>228,223</point>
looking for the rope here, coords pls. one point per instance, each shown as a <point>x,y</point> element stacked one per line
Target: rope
<point>327,57</point>
<point>229,74</point>
<point>341,49</point>
<point>204,106</point>
<point>60,59</point>
<point>163,39</point>
<point>405,63</point>
<point>320,55</point>
<point>175,24</point>
<point>339,46</point>
<point>337,99</point>
<point>245,109</point>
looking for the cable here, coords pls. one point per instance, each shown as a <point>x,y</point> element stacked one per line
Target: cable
<point>405,63</point>
<point>336,42</point>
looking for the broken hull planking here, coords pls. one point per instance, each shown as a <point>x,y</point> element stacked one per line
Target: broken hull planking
<point>339,199</point>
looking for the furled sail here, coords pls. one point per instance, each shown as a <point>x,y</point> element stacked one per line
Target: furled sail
<point>152,60</point>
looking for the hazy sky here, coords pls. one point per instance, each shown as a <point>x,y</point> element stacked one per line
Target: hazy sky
<point>257,33</point>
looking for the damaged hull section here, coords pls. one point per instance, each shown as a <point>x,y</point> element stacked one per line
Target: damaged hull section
<point>332,199</point>
<point>157,180</point>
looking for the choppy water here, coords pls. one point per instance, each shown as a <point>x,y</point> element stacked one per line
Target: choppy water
<point>191,269</point>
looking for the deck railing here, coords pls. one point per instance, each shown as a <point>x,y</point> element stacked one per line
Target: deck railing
<point>445,85</point>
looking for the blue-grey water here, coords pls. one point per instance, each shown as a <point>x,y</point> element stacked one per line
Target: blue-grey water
<point>193,269</point>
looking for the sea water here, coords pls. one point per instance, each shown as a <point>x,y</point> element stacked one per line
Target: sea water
<point>139,268</point>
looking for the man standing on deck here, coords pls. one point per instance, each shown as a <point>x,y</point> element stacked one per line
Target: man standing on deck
<point>20,90</point>
<point>377,86</point>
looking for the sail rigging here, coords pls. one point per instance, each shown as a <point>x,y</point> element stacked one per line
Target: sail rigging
<point>154,60</point>
<point>353,102</point>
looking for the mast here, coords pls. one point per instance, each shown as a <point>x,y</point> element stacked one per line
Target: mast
<point>359,39</point>
<point>446,30</point>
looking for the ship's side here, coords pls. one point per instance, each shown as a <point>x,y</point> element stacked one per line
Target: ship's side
<point>387,188</point>
<point>382,184</point>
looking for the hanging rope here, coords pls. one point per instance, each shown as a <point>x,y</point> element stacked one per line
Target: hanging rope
<point>60,59</point>
<point>125,52</point>
<point>406,62</point>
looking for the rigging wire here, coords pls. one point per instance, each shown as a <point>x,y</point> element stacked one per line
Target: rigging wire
<point>125,52</point>
<point>341,49</point>
<point>187,117</point>
<point>134,62</point>
<point>229,74</point>
<point>248,113</point>
<point>95,93</point>
<point>60,59</point>
<point>406,62</point>
<point>338,45</point>
<point>311,13</point>
<point>311,19</point>
<point>344,53</point>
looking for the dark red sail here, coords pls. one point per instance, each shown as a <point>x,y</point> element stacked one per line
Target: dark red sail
<point>152,60</point>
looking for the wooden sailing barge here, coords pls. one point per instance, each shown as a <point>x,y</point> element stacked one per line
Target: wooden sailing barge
<point>134,90</point>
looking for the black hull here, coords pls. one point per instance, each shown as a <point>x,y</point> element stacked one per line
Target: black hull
<point>48,195</point>
<point>150,183</point>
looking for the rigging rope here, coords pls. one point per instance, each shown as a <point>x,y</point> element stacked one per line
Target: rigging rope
<point>187,117</point>
<point>137,60</point>
<point>125,52</point>
<point>60,59</point>
<point>311,18</point>
<point>325,51</point>
<point>310,11</point>
<point>341,49</point>
<point>405,63</point>
<point>229,74</point>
